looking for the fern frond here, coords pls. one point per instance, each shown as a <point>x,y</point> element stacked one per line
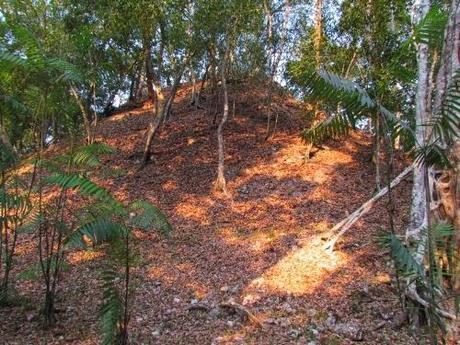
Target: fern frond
<point>87,156</point>
<point>147,216</point>
<point>85,187</point>
<point>112,307</point>
<point>97,231</point>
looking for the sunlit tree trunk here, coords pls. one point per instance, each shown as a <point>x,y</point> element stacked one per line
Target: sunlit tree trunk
<point>418,214</point>
<point>220,182</point>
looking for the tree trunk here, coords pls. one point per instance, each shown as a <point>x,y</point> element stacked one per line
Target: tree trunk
<point>162,106</point>
<point>418,216</point>
<point>318,31</point>
<point>317,38</point>
<point>220,182</point>
<point>85,114</point>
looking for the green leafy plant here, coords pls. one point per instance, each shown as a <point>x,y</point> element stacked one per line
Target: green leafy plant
<point>111,228</point>
<point>429,275</point>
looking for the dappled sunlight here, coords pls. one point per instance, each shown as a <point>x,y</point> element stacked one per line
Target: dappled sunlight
<point>191,209</point>
<point>302,270</point>
<point>256,241</point>
<point>83,256</point>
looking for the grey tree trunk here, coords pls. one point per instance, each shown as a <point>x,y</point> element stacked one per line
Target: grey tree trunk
<point>418,216</point>
<point>221,184</point>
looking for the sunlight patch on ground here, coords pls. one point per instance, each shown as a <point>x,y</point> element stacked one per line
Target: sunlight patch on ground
<point>192,210</point>
<point>83,256</point>
<point>256,241</point>
<point>169,185</point>
<point>302,270</point>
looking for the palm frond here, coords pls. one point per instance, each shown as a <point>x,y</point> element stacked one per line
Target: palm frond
<point>430,29</point>
<point>446,123</point>
<point>20,204</point>
<point>13,60</point>
<point>332,128</point>
<point>355,102</point>
<point>402,257</point>
<point>146,216</point>
<point>7,157</point>
<point>445,128</point>
<point>31,46</point>
<point>34,221</point>
<point>67,71</point>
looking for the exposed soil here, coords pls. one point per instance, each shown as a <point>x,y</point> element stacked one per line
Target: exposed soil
<point>261,247</point>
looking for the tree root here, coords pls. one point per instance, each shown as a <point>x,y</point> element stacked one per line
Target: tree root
<point>413,295</point>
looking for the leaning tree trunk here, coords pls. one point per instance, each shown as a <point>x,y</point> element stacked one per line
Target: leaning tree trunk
<point>220,182</point>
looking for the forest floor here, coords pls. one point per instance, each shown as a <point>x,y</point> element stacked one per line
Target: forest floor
<point>261,247</point>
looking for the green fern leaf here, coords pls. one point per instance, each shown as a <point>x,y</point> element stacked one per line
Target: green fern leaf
<point>146,216</point>
<point>112,307</point>
<point>97,231</point>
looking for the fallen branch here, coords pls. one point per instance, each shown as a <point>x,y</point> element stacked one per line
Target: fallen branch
<point>348,222</point>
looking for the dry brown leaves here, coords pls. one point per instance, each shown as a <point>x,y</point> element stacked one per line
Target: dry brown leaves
<point>261,247</point>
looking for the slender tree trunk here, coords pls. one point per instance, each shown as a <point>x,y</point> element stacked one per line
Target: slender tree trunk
<point>85,114</point>
<point>318,34</point>
<point>220,182</point>
<point>163,105</point>
<point>418,216</point>
<point>5,141</point>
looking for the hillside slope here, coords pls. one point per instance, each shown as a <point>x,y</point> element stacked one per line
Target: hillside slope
<point>260,248</point>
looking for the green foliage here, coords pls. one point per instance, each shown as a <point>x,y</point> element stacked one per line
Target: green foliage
<point>443,129</point>
<point>404,260</point>
<point>112,309</point>
<point>430,30</point>
<point>34,271</point>
<point>97,231</point>
<point>144,215</point>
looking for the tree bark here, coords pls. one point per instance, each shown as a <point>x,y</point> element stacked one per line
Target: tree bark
<point>162,107</point>
<point>85,114</point>
<point>220,182</point>
<point>418,216</point>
